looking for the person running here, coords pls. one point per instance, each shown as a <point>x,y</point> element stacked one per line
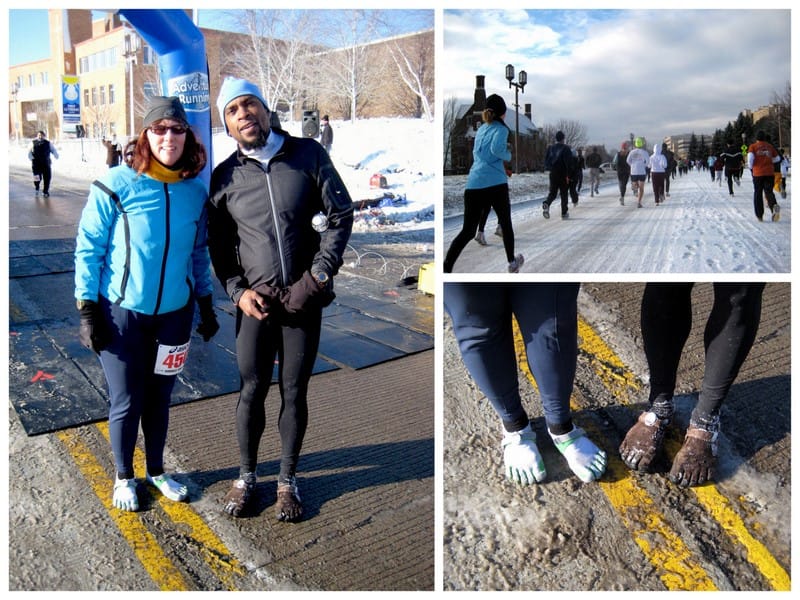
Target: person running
<point>658,173</point>
<point>593,161</point>
<point>620,162</point>
<point>487,186</point>
<point>666,321</point>
<point>761,155</point>
<point>558,160</point>
<point>786,165</point>
<point>482,315</point>
<point>39,154</point>
<point>672,166</point>
<point>638,159</point>
<point>733,164</point>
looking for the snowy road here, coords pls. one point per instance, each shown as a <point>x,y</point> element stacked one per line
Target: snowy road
<point>699,229</point>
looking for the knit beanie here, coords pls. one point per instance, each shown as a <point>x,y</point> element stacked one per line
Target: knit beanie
<point>163,107</point>
<point>232,88</point>
<point>496,104</point>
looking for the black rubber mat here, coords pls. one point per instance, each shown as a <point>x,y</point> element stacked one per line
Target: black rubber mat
<point>55,383</point>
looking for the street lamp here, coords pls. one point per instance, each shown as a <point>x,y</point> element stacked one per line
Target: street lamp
<point>14,91</point>
<point>520,84</point>
<point>130,47</point>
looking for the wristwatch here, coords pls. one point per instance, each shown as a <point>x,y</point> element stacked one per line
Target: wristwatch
<point>322,278</point>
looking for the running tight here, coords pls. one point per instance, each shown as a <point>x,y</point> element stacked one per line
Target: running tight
<point>548,321</point>
<point>295,341</point>
<point>476,205</point>
<point>729,334</point>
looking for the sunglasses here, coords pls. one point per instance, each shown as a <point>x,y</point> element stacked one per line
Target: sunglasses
<point>162,129</point>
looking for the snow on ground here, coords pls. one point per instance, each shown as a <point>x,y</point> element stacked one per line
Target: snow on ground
<point>402,150</point>
<point>699,229</point>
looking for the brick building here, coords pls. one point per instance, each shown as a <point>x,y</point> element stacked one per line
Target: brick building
<point>116,75</point>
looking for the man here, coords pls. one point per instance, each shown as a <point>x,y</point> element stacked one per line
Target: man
<point>672,165</point>
<point>620,162</point>
<point>39,155</point>
<point>279,221</point>
<point>760,158</point>
<point>557,160</point>
<point>593,160</point>
<point>113,151</point>
<point>733,164</point>
<point>326,134</point>
<point>637,160</point>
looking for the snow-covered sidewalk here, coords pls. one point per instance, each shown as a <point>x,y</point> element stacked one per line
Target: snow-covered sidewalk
<point>699,229</point>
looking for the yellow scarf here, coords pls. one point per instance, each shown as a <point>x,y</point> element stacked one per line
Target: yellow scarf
<point>161,173</point>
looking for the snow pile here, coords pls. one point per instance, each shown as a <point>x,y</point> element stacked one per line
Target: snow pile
<point>402,151</point>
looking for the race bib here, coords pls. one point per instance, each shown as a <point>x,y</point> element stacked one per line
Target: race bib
<point>171,359</point>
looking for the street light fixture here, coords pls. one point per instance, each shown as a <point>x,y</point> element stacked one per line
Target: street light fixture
<point>522,81</point>
<point>130,47</point>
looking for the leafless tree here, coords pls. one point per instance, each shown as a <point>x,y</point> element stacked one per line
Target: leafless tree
<point>574,132</point>
<point>276,53</point>
<point>350,74</point>
<point>449,119</point>
<point>415,63</point>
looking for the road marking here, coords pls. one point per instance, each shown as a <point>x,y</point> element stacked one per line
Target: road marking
<point>144,545</point>
<point>717,505</point>
<point>219,559</point>
<point>670,556</point>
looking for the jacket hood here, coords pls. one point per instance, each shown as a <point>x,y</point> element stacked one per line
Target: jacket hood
<point>657,149</point>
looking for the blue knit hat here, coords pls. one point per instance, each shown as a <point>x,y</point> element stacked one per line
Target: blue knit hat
<point>232,88</point>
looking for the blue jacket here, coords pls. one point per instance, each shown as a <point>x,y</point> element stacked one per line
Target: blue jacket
<point>488,153</point>
<point>142,243</point>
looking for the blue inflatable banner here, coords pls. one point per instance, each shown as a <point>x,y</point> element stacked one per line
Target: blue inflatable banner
<point>183,66</point>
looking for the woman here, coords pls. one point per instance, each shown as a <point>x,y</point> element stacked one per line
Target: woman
<point>487,185</point>
<point>141,261</point>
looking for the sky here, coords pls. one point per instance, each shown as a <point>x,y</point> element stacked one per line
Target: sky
<point>28,28</point>
<point>653,73</point>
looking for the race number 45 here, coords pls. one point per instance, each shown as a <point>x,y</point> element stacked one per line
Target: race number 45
<point>171,359</point>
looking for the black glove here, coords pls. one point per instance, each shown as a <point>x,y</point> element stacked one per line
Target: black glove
<point>273,296</point>
<point>306,294</point>
<point>208,319</point>
<point>93,333</point>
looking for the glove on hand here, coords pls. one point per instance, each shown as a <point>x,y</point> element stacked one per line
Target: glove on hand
<point>208,319</point>
<point>306,294</point>
<point>93,332</point>
<point>272,296</point>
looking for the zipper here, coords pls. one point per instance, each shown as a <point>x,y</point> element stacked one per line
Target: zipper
<point>166,250</point>
<point>278,238</point>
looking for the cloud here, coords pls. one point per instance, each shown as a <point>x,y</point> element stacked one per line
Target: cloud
<point>656,72</point>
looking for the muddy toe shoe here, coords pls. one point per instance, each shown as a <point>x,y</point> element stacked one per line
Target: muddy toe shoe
<point>643,441</point>
<point>238,497</point>
<point>289,508</point>
<point>695,462</point>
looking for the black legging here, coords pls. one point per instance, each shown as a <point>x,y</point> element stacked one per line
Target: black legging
<point>295,340</point>
<point>476,204</point>
<point>729,334</point>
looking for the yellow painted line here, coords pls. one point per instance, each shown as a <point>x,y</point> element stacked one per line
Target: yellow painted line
<point>717,505</point>
<point>165,575</point>
<point>616,377</point>
<point>659,543</point>
<point>723,512</point>
<point>219,559</point>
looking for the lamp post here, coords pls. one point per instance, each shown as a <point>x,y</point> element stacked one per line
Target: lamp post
<point>519,86</point>
<point>130,47</point>
<point>14,91</point>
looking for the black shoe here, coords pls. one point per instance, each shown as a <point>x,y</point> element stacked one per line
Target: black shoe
<point>545,210</point>
<point>46,194</point>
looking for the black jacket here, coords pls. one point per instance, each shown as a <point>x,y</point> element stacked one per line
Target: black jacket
<point>259,217</point>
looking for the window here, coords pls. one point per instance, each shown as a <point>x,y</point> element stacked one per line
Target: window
<point>111,94</point>
<point>150,89</point>
<point>86,96</point>
<point>94,96</point>
<point>102,95</point>
<point>31,80</point>
<point>45,77</point>
<point>148,56</point>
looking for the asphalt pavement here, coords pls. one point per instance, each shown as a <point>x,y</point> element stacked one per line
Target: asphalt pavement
<point>366,474</point>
